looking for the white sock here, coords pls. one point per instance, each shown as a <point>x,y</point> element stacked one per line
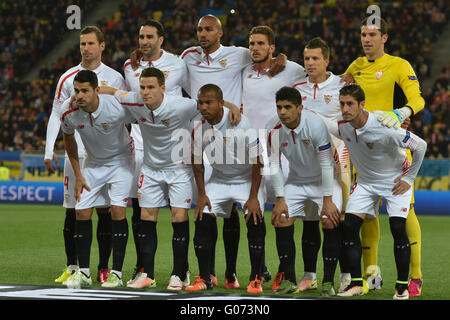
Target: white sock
<point>117,273</point>
<point>86,272</point>
<point>310,275</point>
<point>72,267</point>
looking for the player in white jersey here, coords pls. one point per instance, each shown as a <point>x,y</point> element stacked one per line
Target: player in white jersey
<point>164,175</point>
<point>259,88</point>
<point>232,151</point>
<point>320,93</point>
<point>303,138</point>
<point>106,177</point>
<point>379,155</point>
<point>151,38</point>
<point>211,62</point>
<point>91,47</point>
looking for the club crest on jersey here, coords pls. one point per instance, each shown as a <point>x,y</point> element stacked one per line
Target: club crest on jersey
<point>104,82</point>
<point>369,145</point>
<point>306,143</point>
<point>223,63</point>
<point>166,74</point>
<point>378,74</point>
<point>137,74</point>
<point>166,122</point>
<point>106,126</point>
<point>327,98</point>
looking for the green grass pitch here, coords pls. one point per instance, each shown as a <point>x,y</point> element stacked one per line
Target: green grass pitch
<point>32,252</point>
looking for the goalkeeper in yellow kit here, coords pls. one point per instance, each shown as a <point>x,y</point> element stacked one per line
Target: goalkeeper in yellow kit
<point>393,92</point>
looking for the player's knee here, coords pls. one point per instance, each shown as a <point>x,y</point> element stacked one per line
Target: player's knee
<point>398,229</point>
<point>255,232</point>
<point>352,226</point>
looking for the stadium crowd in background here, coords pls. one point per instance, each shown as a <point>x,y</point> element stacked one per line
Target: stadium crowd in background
<point>25,105</point>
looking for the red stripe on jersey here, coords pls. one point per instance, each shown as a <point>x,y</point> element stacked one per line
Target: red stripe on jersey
<point>126,64</point>
<point>339,123</point>
<point>270,134</point>
<point>68,112</point>
<point>128,104</point>
<point>62,82</point>
<point>199,124</point>
<point>189,51</point>
<point>298,84</point>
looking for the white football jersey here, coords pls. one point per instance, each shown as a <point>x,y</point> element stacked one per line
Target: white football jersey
<point>159,126</point>
<point>323,98</point>
<point>64,90</point>
<point>378,153</point>
<point>223,68</point>
<point>231,150</point>
<point>259,89</point>
<point>175,73</point>
<point>102,132</point>
<point>305,147</point>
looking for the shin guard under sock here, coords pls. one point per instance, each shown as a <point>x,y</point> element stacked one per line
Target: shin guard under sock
<point>310,245</point>
<point>286,251</point>
<point>69,241</point>
<point>149,242</point>
<point>104,239</point>
<point>83,241</point>
<point>231,236</point>
<point>180,245</point>
<point>402,248</point>
<point>119,242</point>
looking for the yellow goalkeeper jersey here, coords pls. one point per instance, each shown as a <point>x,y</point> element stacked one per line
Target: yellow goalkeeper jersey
<point>388,82</point>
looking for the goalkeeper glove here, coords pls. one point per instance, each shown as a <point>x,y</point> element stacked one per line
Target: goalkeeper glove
<point>393,118</point>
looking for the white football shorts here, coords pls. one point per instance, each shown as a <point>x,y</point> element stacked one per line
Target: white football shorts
<point>312,212</point>
<point>156,187</point>
<point>110,186</point>
<point>298,197</point>
<point>222,197</point>
<point>365,198</point>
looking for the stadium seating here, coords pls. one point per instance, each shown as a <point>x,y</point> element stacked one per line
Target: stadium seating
<point>26,106</point>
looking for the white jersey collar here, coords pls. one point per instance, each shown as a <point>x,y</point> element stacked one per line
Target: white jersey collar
<point>148,64</point>
<point>321,84</point>
<point>213,55</point>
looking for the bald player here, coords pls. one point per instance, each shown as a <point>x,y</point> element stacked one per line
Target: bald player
<point>211,62</point>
